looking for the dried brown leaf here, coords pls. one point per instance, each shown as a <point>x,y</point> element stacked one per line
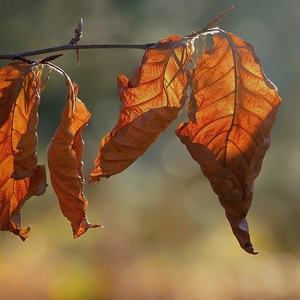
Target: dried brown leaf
<point>20,177</point>
<point>236,108</point>
<point>150,101</point>
<point>65,163</point>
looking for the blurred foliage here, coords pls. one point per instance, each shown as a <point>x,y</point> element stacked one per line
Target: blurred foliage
<point>165,234</point>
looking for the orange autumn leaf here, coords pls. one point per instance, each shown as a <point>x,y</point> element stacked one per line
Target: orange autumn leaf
<point>20,177</point>
<point>150,101</point>
<point>11,78</point>
<point>13,194</point>
<point>65,162</point>
<point>232,108</point>
<point>20,99</point>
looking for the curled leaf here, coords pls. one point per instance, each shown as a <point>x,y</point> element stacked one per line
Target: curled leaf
<point>20,177</point>
<point>229,132</point>
<point>13,194</point>
<point>150,101</point>
<point>65,163</point>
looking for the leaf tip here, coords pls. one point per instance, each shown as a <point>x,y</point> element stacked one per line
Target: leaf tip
<point>23,233</point>
<point>83,227</point>
<point>96,174</point>
<point>249,248</point>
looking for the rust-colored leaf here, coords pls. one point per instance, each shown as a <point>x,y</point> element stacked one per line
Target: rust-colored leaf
<point>20,177</point>
<point>65,162</point>
<point>11,78</point>
<point>13,194</point>
<point>150,101</point>
<point>236,108</point>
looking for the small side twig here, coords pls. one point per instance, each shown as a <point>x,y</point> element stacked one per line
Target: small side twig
<point>209,27</point>
<point>23,59</point>
<point>75,40</point>
<point>78,33</point>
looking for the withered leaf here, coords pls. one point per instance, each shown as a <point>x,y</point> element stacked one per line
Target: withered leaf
<point>229,130</point>
<point>150,101</point>
<point>20,177</point>
<point>65,163</point>
<point>13,194</point>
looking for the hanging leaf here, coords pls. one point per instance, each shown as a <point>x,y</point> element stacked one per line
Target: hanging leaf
<point>232,108</point>
<point>150,101</point>
<point>65,163</point>
<point>13,194</point>
<point>20,177</point>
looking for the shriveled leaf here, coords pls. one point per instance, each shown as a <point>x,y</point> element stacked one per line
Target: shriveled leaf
<point>229,128</point>
<point>150,101</point>
<point>13,194</point>
<point>20,177</point>
<point>65,162</point>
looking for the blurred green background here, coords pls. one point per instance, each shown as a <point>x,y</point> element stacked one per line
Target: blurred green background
<point>165,235</point>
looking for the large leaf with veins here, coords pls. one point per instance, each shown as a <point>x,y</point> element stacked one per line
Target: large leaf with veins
<point>232,109</point>
<point>150,101</point>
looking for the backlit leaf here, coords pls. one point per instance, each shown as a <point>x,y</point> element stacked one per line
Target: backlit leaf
<point>150,101</point>
<point>65,163</point>
<point>234,107</point>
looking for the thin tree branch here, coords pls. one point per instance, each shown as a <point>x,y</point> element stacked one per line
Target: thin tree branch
<point>15,56</point>
<point>73,44</point>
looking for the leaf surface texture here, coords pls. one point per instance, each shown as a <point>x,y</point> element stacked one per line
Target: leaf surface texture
<point>65,163</point>
<point>150,101</point>
<point>20,176</point>
<point>232,109</point>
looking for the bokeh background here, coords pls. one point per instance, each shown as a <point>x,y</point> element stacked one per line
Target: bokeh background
<point>165,235</point>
